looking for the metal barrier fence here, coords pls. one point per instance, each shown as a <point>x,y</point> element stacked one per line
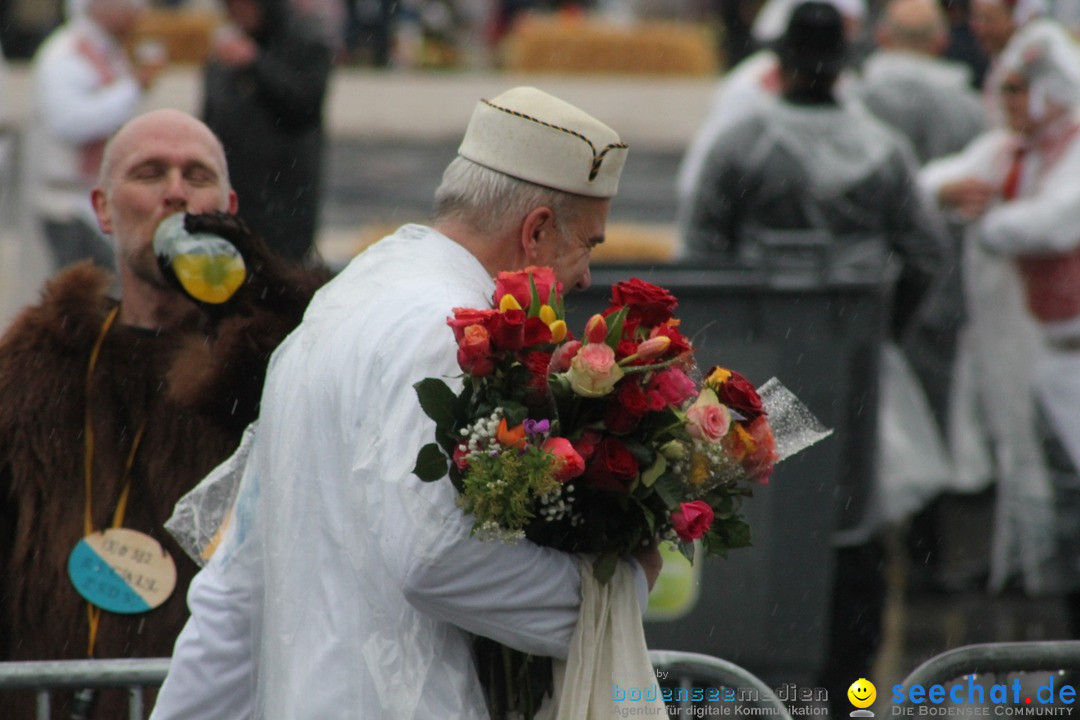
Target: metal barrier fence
<point>1058,656</point>
<point>682,670</point>
<point>44,677</point>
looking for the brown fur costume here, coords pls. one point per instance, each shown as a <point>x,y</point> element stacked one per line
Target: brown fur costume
<point>194,392</point>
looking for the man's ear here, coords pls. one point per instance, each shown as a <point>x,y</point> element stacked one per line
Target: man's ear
<point>101,209</point>
<point>233,203</point>
<point>535,230</point>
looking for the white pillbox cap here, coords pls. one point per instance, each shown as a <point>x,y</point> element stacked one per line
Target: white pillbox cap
<point>531,135</point>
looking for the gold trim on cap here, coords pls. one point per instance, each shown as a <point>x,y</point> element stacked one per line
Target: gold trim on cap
<point>598,158</point>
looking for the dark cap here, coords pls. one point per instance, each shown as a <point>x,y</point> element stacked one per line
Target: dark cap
<point>814,41</point>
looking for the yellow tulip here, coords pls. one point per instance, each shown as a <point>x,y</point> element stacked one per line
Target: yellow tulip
<point>508,302</point>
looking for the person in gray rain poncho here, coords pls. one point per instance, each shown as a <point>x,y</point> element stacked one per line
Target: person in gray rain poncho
<point>345,586</point>
<point>907,84</point>
<point>1018,187</point>
<point>809,163</point>
<point>264,90</point>
<point>750,85</point>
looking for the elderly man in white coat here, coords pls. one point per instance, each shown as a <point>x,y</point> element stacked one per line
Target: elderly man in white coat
<point>346,587</point>
<point>1018,187</point>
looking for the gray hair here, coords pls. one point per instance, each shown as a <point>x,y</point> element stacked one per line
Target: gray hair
<point>492,202</point>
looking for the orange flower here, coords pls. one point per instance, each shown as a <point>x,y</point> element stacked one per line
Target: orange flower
<point>510,437</point>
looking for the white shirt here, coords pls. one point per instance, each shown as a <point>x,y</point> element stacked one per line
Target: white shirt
<point>84,91</point>
<point>351,587</point>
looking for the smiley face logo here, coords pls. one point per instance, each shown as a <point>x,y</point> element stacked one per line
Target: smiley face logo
<point>862,693</point>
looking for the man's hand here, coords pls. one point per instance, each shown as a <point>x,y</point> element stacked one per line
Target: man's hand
<point>234,49</point>
<point>970,197</point>
<point>651,562</point>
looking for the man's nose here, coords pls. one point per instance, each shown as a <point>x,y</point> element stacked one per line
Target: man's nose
<point>175,190</point>
<point>585,281</point>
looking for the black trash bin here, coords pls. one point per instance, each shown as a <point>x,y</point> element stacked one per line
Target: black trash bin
<point>766,607</point>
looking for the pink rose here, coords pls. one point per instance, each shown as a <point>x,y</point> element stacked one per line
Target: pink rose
<point>569,463</point>
<point>692,520</point>
<point>560,359</point>
<point>593,371</point>
<point>707,419</point>
<point>673,385</point>
<point>517,284</point>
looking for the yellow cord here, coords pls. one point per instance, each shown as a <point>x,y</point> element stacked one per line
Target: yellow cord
<point>93,612</point>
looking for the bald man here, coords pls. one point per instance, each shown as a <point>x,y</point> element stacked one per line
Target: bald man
<point>907,84</point>
<point>134,380</point>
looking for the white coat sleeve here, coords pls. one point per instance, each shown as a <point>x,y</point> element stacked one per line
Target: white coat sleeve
<point>977,160</point>
<point>1045,222</point>
<point>212,672</point>
<point>75,105</point>
<point>524,596</point>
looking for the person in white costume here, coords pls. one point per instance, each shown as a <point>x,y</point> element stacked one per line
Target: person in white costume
<point>345,586</point>
<point>84,89</point>
<point>1017,186</point>
<point>994,23</point>
<point>746,88</point>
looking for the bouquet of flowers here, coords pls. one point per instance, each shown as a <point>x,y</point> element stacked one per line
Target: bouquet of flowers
<point>598,445</point>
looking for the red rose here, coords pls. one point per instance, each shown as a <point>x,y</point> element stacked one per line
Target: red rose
<point>625,349</point>
<point>537,364</point>
<point>586,445</point>
<point>651,304</point>
<point>679,343</point>
<point>612,467</point>
<point>474,351</point>
<point>460,451</point>
<point>692,520</point>
<point>464,317</point>
<point>570,463</point>
<point>517,284</point>
<point>536,332</point>
<point>673,385</point>
<point>508,331</point>
<point>618,419</point>
<point>738,394</point>
<point>632,397</point>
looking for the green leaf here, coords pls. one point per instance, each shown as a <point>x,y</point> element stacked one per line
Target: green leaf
<point>534,298</point>
<point>514,412</point>
<point>670,490</point>
<point>604,567</point>
<point>687,551</point>
<point>650,476</point>
<point>615,324</point>
<point>438,402</point>
<point>431,463</point>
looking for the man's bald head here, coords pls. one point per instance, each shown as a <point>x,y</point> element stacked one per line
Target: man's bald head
<point>159,123</point>
<point>913,25</point>
<point>158,164</point>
